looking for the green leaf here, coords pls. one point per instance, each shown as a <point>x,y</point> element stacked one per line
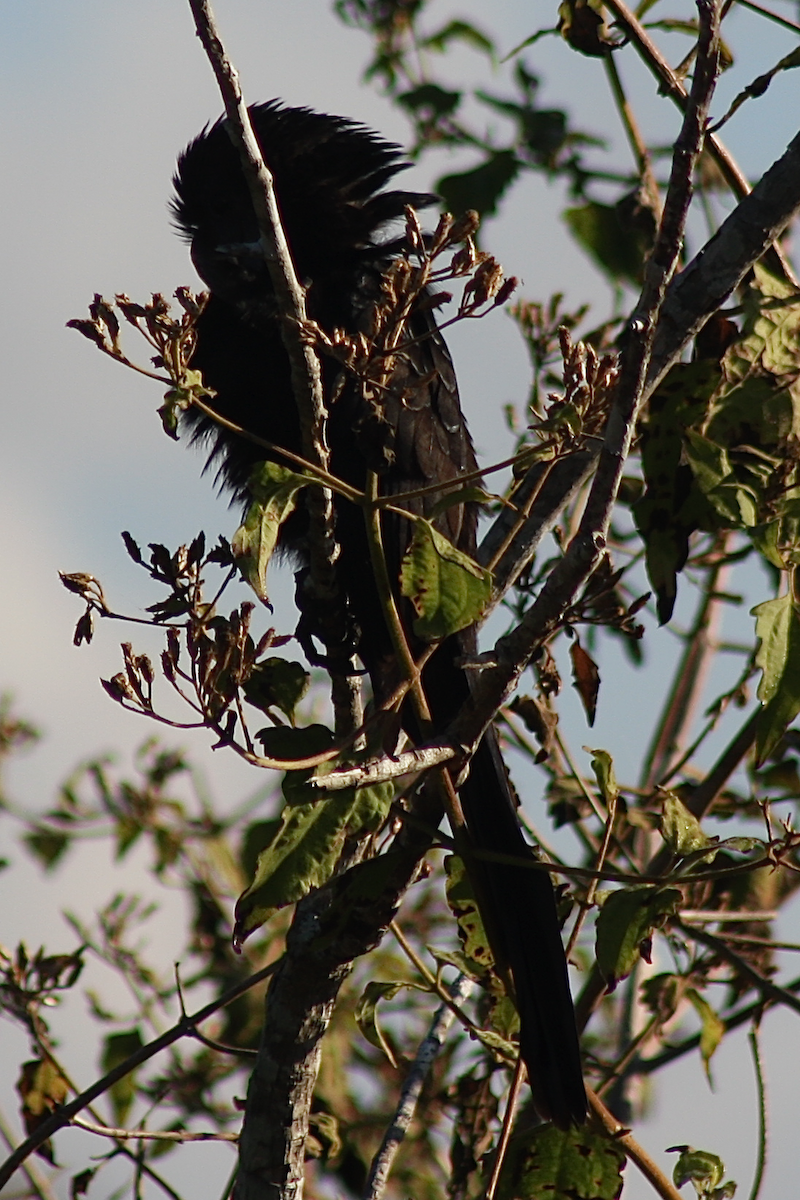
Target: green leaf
<point>765,539</point>
<point>366,1013</point>
<point>284,743</point>
<point>42,1088</point>
<point>680,828</point>
<point>447,588</point>
<point>575,1165</point>
<point>48,845</point>
<point>458,31</point>
<point>743,845</point>
<point>277,683</point>
<point>712,469</point>
<point>704,1170</point>
<point>712,1028</point>
<point>625,921</point>
<point>128,830</point>
<point>456,958</point>
<point>543,132</point>
<point>273,490</point>
<point>599,230</point>
<point>465,495</point>
<point>774,620</point>
<point>778,656</point>
<point>709,462</point>
<point>496,1041</point>
<point>116,1048</point>
<point>582,25</point>
<point>603,767</point>
<point>771,333</point>
<point>661,994</point>
<point>462,902</point>
<point>430,97</point>
<point>79,1184</point>
<point>481,188</point>
<point>307,840</point>
<point>673,505</point>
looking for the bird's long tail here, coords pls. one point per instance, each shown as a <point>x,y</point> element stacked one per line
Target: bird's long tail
<point>520,912</point>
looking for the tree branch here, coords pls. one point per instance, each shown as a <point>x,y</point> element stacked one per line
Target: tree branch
<point>184,1028</point>
<point>330,929</point>
<point>412,1088</point>
<point>673,87</point>
<point>636,1153</point>
<point>742,239</point>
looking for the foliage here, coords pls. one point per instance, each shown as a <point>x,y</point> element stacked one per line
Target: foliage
<point>711,489</point>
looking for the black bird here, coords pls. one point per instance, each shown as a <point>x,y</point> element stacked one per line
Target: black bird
<point>330,176</point>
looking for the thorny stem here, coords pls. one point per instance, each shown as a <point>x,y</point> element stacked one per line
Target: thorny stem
<point>761,1160</point>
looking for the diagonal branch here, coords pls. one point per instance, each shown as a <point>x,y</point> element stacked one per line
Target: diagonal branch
<point>673,87</point>
<point>183,1028</point>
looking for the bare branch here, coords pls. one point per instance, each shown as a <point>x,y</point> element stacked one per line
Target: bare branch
<point>184,1028</point>
<point>514,651</point>
<point>153,1135</point>
<point>673,87</point>
<point>707,282</point>
<point>636,1153</point>
<point>420,758</point>
<point>412,1088</point>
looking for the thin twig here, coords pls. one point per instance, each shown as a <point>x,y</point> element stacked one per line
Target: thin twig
<point>735,1020</point>
<point>153,1135</point>
<point>432,981</point>
<point>636,1153</point>
<point>63,1116</point>
<point>761,1160</point>
<point>673,87</point>
<point>412,1088</point>
<point>689,677</point>
<point>512,1099</point>
<point>39,1184</point>
<point>586,904</point>
<point>768,989</point>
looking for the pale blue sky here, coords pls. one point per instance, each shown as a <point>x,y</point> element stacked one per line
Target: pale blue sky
<point>98,98</point>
